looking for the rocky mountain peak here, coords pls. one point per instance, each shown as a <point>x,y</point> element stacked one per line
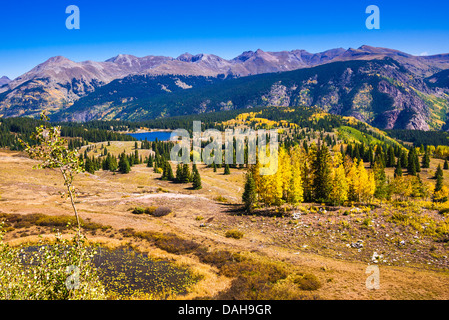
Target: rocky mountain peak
<point>186,57</point>
<point>4,80</point>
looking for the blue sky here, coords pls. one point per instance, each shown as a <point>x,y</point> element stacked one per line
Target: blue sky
<point>33,31</point>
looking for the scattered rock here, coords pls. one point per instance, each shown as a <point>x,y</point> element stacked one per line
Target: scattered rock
<point>357,244</point>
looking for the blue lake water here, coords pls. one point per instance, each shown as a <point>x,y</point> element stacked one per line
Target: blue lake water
<point>152,136</point>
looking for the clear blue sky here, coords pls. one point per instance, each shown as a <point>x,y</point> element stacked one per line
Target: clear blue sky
<point>33,31</point>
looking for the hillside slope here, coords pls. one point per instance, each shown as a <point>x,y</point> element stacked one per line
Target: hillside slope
<point>382,93</point>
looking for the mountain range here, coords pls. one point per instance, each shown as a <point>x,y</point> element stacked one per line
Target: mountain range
<point>385,87</point>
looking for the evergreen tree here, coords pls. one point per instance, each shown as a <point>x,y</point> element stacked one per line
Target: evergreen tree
<point>165,169</point>
<point>439,172</point>
<point>322,174</point>
<point>349,151</point>
<point>370,157</point>
<point>445,166</point>
<point>169,172</point>
<point>105,163</point>
<point>150,162</point>
<point>426,160</point>
<point>89,166</point>
<point>380,179</point>
<point>438,191</point>
<point>404,162</point>
<point>249,196</point>
<point>398,170</point>
<point>411,168</point>
<point>391,160</point>
<point>418,166</point>
<point>356,153</point>
<point>136,157</point>
<point>196,180</point>
<point>306,146</point>
<point>123,164</point>
<point>112,163</point>
<point>185,177</point>
<point>226,169</point>
<point>178,173</point>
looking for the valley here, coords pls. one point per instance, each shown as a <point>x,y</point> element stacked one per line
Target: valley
<point>314,243</point>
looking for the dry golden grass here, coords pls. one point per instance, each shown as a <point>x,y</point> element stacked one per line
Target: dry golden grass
<point>106,198</point>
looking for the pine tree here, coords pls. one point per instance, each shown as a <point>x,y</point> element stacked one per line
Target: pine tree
<point>136,157</point>
<point>391,160</point>
<point>185,177</point>
<point>150,162</point>
<point>357,153</point>
<point>445,166</point>
<point>380,179</point>
<point>249,196</point>
<point>411,168</point>
<point>105,163</point>
<point>178,177</point>
<point>112,163</point>
<point>89,166</point>
<point>214,165</point>
<point>226,169</point>
<point>439,172</point>
<point>418,166</point>
<point>165,169</point>
<point>398,170</point>
<point>426,159</point>
<point>437,193</point>
<point>404,162</point>
<point>322,174</point>
<point>123,164</point>
<point>196,180</point>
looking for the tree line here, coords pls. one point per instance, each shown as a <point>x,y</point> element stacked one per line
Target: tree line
<point>315,174</point>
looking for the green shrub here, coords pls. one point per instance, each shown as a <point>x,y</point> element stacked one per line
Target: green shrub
<point>39,219</point>
<point>218,258</point>
<point>254,280</point>
<point>236,234</point>
<point>47,278</point>
<point>366,223</point>
<point>153,211</point>
<point>160,212</point>
<point>221,199</point>
<point>138,210</point>
<point>307,282</point>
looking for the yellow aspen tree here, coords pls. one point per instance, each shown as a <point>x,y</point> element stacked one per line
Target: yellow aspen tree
<point>364,188</point>
<point>371,185</point>
<point>284,172</point>
<point>339,192</point>
<point>269,187</point>
<point>296,184</point>
<point>352,180</point>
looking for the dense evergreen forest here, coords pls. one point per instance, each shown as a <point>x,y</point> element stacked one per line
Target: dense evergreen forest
<point>418,137</point>
<point>11,129</point>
